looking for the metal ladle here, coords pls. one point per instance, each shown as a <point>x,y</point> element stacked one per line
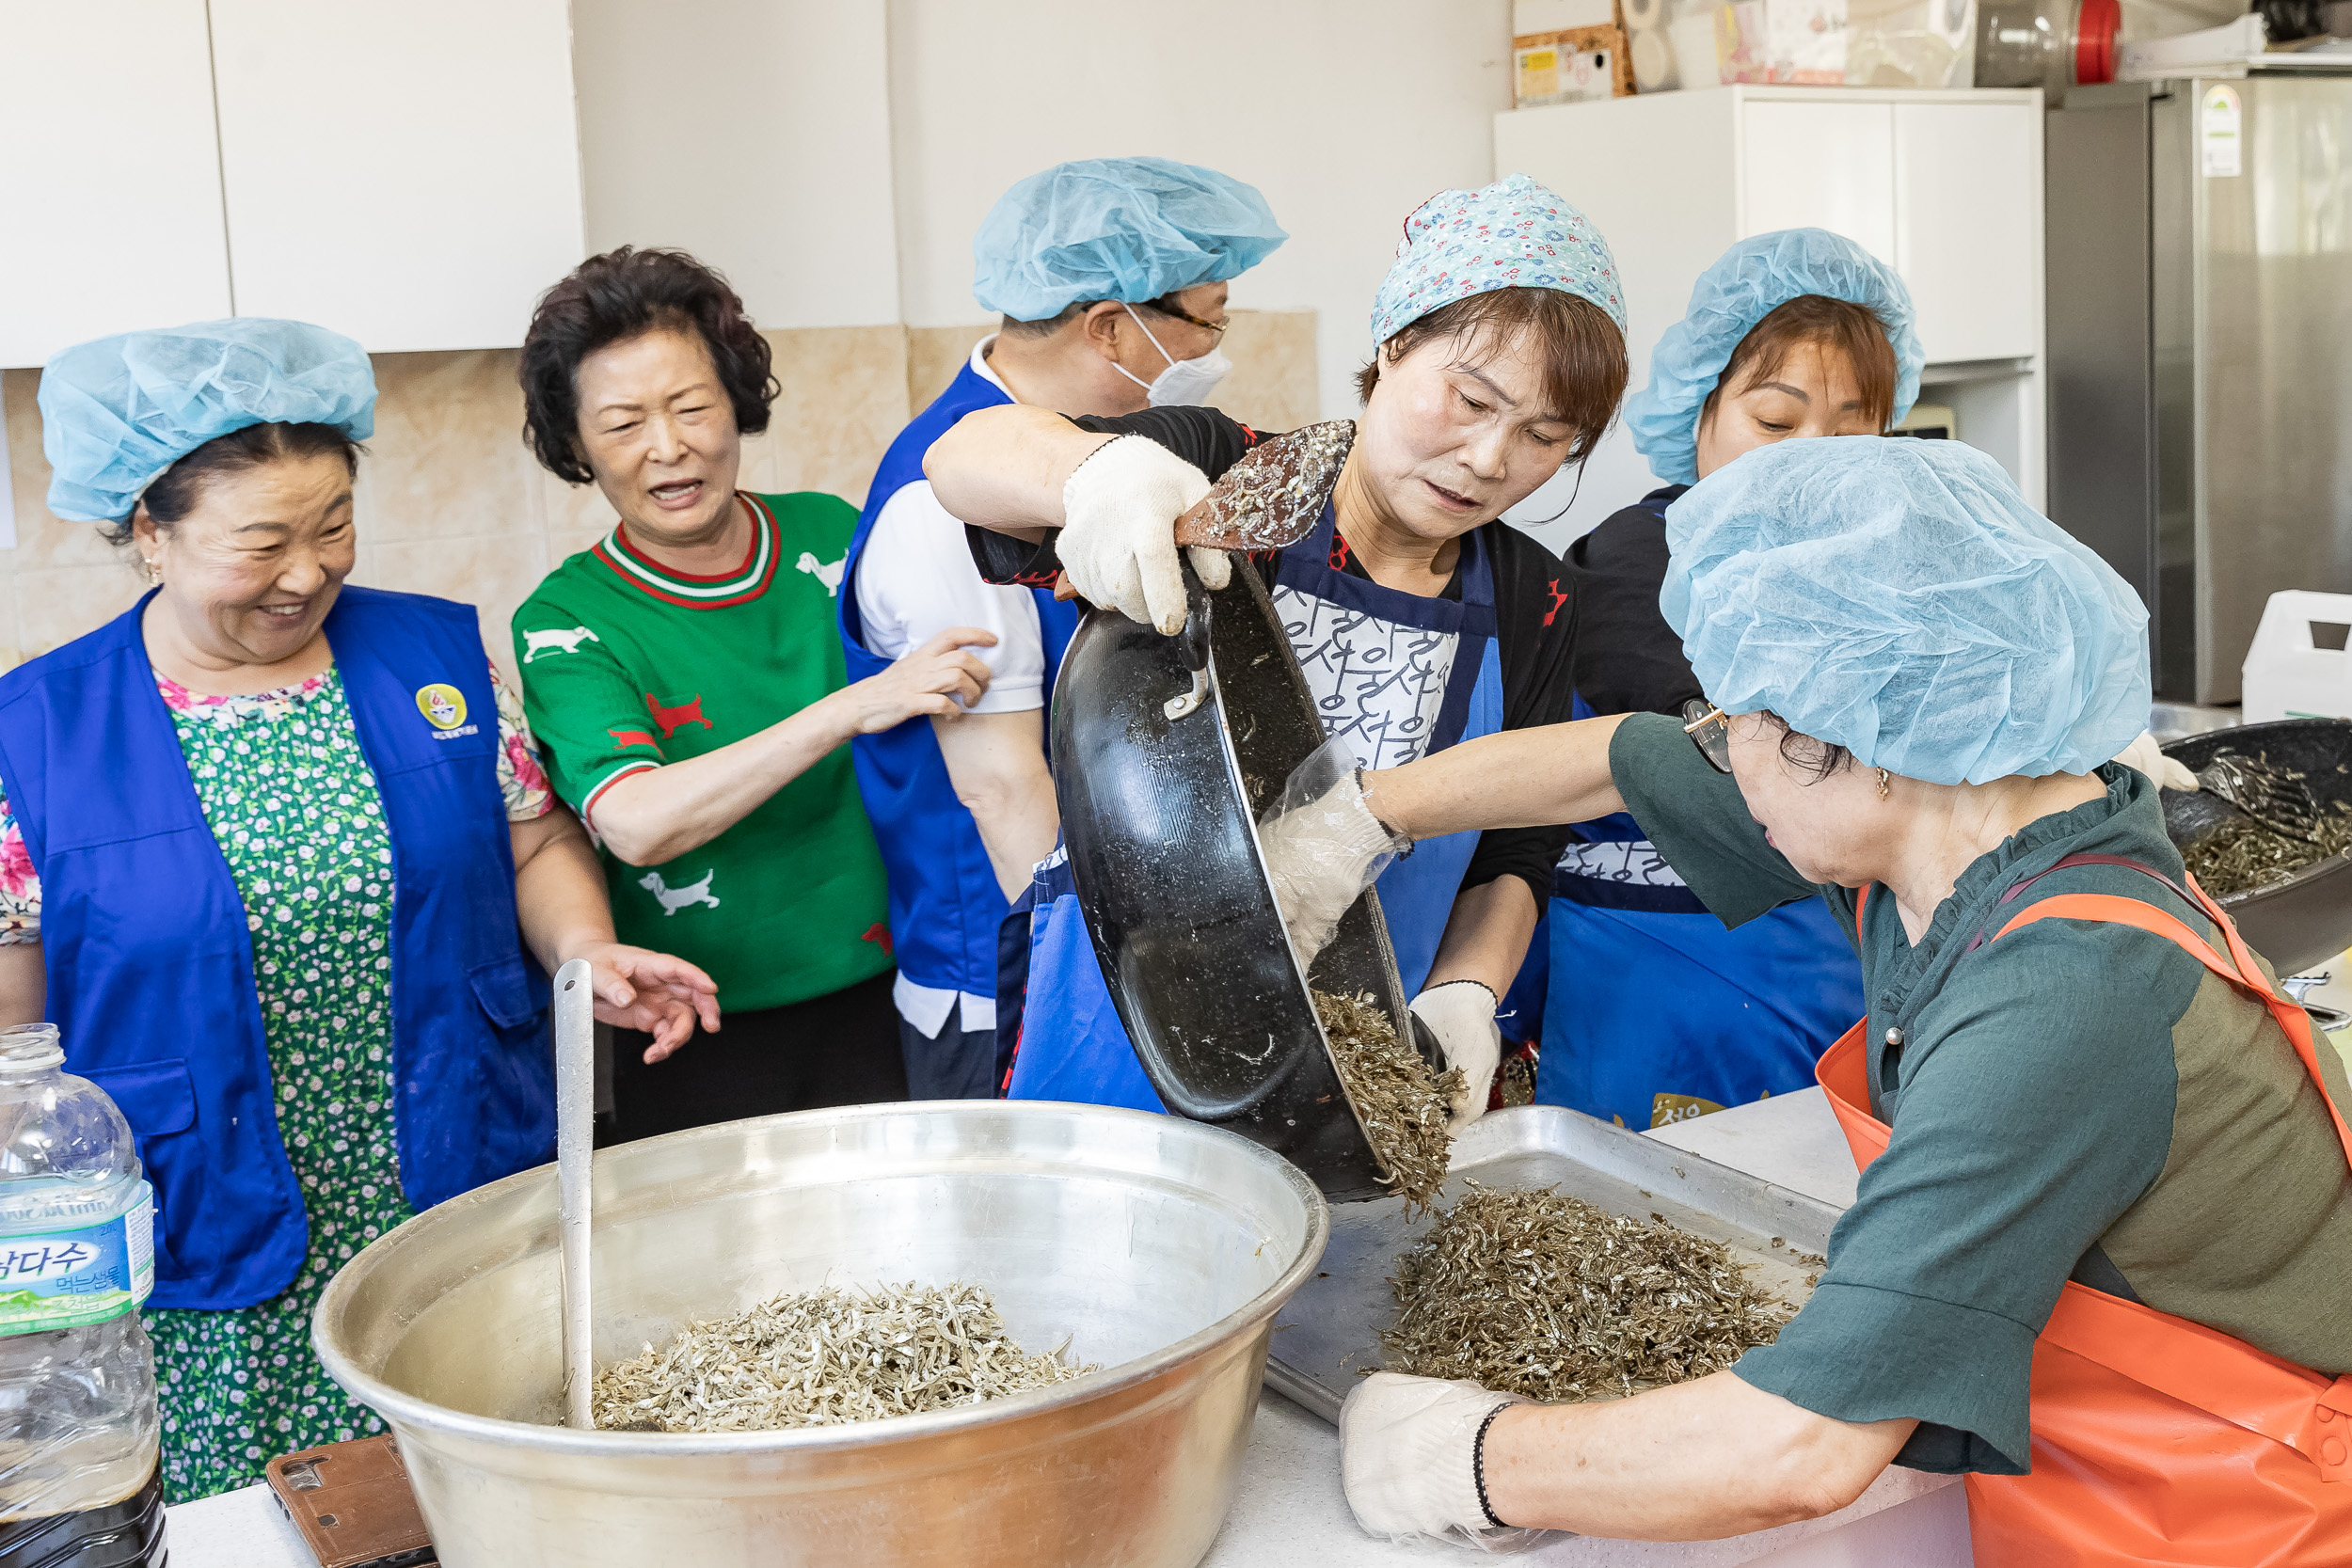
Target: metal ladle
<point>574,1146</point>
<point>2272,796</point>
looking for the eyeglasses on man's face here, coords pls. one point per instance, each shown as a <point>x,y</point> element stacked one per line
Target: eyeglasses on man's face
<point>1165,309</point>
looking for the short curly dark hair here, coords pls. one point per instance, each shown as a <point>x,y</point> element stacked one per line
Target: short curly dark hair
<point>618,295</point>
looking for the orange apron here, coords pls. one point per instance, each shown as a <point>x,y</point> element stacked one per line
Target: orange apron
<point>2156,1440</point>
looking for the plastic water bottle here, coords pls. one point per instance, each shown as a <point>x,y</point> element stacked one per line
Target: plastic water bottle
<point>80,1480</point>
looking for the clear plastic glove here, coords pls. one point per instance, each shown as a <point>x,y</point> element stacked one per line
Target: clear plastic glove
<point>1409,1461</point>
<point>1461,1013</point>
<point>1117,543</point>
<point>1323,847</point>
<point>2148,756</point>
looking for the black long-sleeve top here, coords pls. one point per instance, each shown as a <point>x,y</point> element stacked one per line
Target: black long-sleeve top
<point>1535,622</point>
<point>1626,659</point>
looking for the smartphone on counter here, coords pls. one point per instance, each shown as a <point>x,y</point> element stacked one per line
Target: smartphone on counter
<point>352,1505</point>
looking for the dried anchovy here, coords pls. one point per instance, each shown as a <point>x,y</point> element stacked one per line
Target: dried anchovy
<point>2244,854</point>
<point>1543,1294</point>
<point>1515,1081</point>
<point>1403,1104</point>
<point>825,1357</point>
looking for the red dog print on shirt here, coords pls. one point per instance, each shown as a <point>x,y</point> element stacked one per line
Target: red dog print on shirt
<point>622,739</point>
<point>671,719</point>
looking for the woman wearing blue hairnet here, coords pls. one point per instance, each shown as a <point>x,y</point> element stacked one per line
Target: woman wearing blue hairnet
<point>1418,618</point>
<point>2104,1158</point>
<point>1799,333</point>
<point>276,857</point>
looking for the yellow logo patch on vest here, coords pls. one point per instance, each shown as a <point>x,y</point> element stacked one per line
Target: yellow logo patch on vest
<point>442,705</point>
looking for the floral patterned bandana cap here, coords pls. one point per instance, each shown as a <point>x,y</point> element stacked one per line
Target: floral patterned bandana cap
<point>1513,234</point>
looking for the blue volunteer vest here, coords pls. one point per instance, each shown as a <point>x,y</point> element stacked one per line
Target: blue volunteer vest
<point>1072,1045</point>
<point>150,970</point>
<point>945,903</point>
<point>1667,1008</point>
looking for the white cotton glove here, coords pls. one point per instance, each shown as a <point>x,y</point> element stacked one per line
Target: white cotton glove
<point>1117,543</point>
<point>1323,848</point>
<point>2148,756</point>
<point>1408,1461</point>
<point>1461,1013</point>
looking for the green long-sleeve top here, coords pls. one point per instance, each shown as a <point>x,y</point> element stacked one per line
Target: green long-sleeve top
<point>2074,1100</point>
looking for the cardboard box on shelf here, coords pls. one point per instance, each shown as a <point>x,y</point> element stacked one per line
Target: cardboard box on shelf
<point>1570,65</point>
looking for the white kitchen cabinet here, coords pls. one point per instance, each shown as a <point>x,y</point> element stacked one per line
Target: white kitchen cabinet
<point>408,174</point>
<point>108,172</point>
<point>1945,185</point>
<point>1821,165</point>
<point>1968,227</point>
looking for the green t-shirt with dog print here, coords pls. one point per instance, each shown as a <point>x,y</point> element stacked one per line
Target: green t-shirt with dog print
<point>628,666</point>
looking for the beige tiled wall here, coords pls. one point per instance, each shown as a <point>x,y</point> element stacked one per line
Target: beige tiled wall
<point>451,502</point>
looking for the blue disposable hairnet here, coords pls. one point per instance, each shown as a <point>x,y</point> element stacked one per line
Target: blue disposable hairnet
<point>118,411</point>
<point>1125,229</point>
<point>1897,597</point>
<point>1746,284</point>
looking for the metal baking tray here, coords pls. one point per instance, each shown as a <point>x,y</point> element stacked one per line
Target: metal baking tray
<point>1330,1331</point>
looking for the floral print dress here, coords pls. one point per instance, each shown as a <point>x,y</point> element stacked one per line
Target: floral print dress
<point>295,808</point>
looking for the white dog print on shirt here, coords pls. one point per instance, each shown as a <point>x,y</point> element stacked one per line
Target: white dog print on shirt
<point>675,898</point>
<point>826,572</point>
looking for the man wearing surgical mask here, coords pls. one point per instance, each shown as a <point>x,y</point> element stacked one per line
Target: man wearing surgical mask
<point>1110,278</point>
<point>1118,358</point>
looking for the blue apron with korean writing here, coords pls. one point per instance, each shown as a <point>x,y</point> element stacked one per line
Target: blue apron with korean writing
<point>1072,1044</point>
<point>1656,1011</point>
<point>151,969</point>
<point>945,900</point>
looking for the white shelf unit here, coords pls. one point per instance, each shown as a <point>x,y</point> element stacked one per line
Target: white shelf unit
<point>1944,185</point>
<point>109,171</point>
<point>409,176</point>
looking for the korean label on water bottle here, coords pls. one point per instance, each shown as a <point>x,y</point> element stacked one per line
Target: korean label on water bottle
<point>72,1278</point>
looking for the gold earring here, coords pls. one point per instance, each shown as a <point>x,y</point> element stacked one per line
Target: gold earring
<point>154,570</point>
<point>1881,773</point>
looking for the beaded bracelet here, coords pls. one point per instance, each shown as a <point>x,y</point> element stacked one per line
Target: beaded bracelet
<point>1478,1463</point>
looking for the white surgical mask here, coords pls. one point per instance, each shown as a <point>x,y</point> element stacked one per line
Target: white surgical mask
<point>1184,381</point>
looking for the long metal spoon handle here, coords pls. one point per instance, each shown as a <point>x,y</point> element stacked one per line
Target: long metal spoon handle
<point>575,1143</point>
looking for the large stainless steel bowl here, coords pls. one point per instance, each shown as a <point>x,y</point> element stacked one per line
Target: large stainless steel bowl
<point>1161,1246</point>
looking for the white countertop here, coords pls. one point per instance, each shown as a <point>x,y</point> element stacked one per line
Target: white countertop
<point>1791,1140</point>
<point>1289,1510</point>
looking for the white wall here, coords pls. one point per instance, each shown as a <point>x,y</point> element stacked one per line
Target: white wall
<point>792,199</point>
<point>858,143</point>
<point>1347,114</point>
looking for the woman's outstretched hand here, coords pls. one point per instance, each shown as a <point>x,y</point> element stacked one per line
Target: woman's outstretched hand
<point>652,992</point>
<point>939,677</point>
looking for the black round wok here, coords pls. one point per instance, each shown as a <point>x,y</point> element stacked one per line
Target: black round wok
<point>1159,816</point>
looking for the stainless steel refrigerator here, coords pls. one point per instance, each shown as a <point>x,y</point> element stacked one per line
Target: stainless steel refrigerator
<point>2200,343</point>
